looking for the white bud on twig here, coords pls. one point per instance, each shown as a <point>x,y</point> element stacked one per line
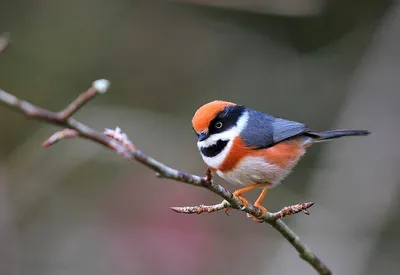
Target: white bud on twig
<point>101,85</point>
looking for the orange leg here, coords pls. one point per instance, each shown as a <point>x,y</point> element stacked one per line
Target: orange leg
<point>258,204</point>
<point>238,193</point>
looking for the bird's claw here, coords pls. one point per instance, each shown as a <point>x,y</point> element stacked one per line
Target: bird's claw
<point>244,202</point>
<point>263,212</point>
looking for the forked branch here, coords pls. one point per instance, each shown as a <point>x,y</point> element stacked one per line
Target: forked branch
<point>117,141</point>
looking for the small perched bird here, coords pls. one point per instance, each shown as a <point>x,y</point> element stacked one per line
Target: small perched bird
<point>253,149</point>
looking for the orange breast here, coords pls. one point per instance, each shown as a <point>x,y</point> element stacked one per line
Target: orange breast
<point>281,154</point>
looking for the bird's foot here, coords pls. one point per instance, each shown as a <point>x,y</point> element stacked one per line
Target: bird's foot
<point>244,202</point>
<point>263,212</point>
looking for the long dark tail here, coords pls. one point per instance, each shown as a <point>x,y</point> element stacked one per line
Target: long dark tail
<point>322,136</point>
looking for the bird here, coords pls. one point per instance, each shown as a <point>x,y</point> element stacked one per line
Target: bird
<point>252,149</point>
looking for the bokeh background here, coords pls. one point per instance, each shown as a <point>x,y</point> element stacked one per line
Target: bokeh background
<point>78,208</point>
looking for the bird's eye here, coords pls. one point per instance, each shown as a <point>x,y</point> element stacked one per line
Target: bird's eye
<point>218,125</point>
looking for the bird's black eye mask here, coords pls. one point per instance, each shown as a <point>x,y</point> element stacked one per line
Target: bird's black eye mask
<point>226,119</point>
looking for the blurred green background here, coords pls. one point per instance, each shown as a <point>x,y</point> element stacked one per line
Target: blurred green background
<point>78,208</point>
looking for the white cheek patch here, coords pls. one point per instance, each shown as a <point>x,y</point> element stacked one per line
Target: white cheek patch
<point>229,135</point>
<point>213,139</point>
<point>217,160</point>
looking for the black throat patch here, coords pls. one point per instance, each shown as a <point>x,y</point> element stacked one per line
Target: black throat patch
<point>213,150</point>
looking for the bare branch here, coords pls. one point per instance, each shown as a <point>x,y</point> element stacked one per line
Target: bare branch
<point>286,211</point>
<point>293,209</point>
<point>201,208</point>
<point>120,136</point>
<point>98,86</point>
<point>75,105</point>
<point>57,136</point>
<point>117,141</point>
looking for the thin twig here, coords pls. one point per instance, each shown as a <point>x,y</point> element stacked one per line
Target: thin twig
<point>286,211</point>
<point>75,105</point>
<point>119,142</point>
<point>201,208</point>
<point>57,136</point>
<point>120,136</point>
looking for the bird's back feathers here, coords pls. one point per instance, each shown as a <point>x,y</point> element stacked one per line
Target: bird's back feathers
<point>263,130</point>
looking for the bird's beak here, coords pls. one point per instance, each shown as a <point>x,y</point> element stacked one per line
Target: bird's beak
<point>203,136</point>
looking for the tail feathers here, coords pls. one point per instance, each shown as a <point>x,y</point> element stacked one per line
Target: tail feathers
<point>322,136</point>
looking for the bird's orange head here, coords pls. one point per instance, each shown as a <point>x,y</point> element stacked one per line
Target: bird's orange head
<point>207,113</point>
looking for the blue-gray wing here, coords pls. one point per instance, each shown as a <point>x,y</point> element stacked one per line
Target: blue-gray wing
<point>284,129</point>
<point>263,130</point>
